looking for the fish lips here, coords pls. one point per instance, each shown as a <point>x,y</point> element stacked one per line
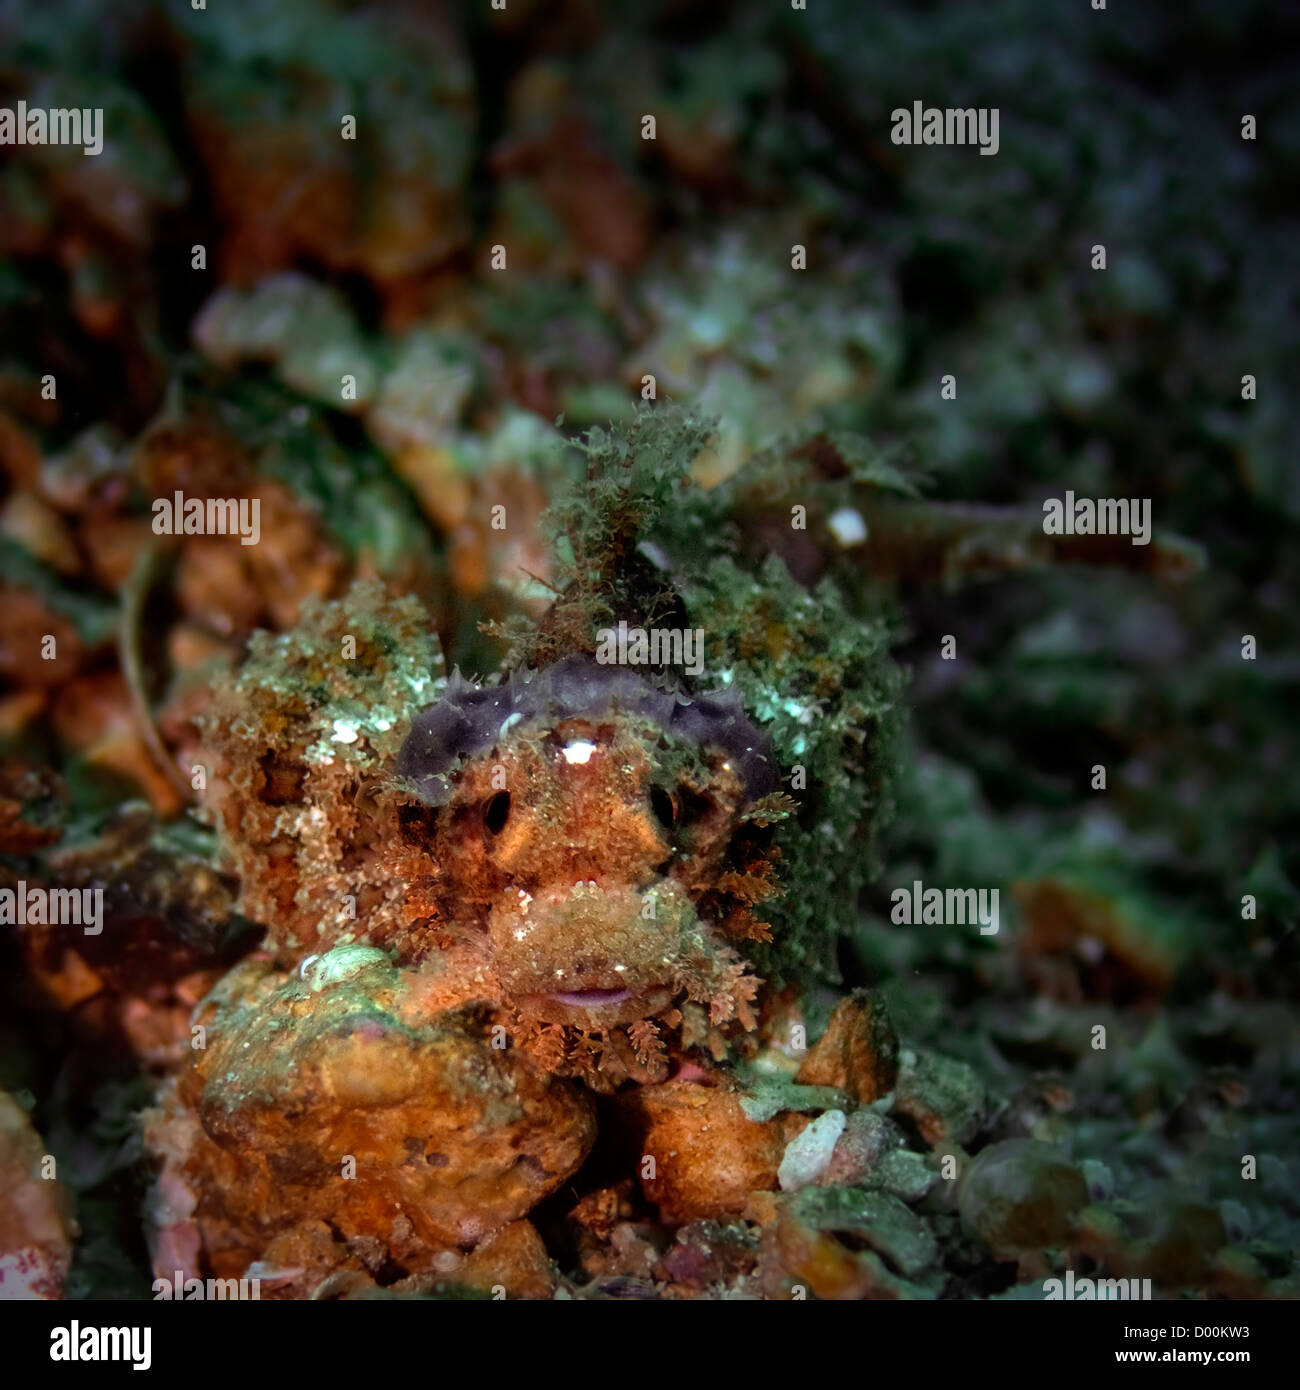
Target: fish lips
<point>595,1008</point>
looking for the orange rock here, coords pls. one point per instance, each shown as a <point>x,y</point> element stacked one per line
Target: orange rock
<point>512,1258</point>
<point>708,1155</point>
<point>1120,950</point>
<point>93,717</point>
<point>190,648</point>
<point>858,1053</point>
<point>71,983</point>
<point>214,585</point>
<point>436,479</point>
<point>24,791</point>
<point>285,189</point>
<point>331,1098</point>
<point>804,1254</point>
<point>114,544</point>
<point>18,712</point>
<point>20,455</point>
<point>40,530</point>
<point>25,625</point>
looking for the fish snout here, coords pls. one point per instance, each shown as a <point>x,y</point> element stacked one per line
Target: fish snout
<point>588,954</point>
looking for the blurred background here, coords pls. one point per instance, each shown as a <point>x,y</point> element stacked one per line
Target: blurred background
<point>199,291</point>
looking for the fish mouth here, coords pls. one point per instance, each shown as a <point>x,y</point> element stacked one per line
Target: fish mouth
<point>591,998</point>
<point>595,1008</point>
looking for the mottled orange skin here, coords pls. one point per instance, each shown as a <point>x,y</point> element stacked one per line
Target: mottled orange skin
<point>630,860</point>
<point>583,888</point>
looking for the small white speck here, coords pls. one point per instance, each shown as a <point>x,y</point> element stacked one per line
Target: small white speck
<point>848,527</point>
<point>345,731</point>
<point>578,752</point>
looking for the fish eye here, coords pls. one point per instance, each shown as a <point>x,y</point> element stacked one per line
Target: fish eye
<point>496,813</point>
<point>664,805</point>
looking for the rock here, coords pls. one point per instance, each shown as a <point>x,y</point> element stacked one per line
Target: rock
<point>513,1259</point>
<point>942,1097</point>
<point>1210,1106</point>
<point>36,1225</point>
<point>907,1174</point>
<point>814,1240</point>
<point>809,1153</point>
<point>708,1155</point>
<point>867,1138</point>
<point>1034,1111</point>
<point>332,1099</point>
<point>1181,1241</point>
<point>709,1255</point>
<point>1099,1178</point>
<point>1121,946</point>
<point>766,1096</point>
<point>1021,1195</point>
<point>858,1053</point>
<point>885,1224</point>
